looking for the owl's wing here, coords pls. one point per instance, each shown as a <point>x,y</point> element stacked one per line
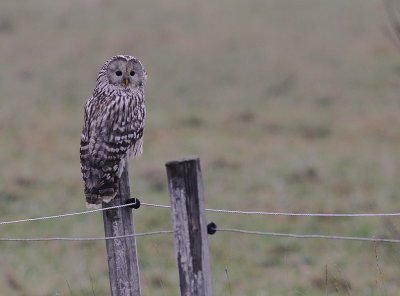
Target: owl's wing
<point>111,133</point>
<point>84,146</point>
<point>102,152</point>
<point>85,139</point>
<point>97,172</point>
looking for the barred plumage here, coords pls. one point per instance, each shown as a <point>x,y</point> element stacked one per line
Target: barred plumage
<point>113,127</point>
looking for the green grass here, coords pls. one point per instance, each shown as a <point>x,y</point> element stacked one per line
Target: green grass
<point>291,105</point>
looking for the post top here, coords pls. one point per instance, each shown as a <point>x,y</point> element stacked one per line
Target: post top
<point>183,160</point>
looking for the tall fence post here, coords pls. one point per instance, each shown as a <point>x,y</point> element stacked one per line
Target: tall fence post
<point>190,227</point>
<point>123,264</point>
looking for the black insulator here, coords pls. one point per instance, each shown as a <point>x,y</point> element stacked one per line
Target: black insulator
<point>211,228</point>
<point>135,201</point>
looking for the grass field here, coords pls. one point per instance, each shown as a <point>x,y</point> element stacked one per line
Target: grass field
<point>292,106</point>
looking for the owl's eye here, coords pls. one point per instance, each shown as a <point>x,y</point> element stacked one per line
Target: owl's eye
<point>118,73</point>
<point>132,73</point>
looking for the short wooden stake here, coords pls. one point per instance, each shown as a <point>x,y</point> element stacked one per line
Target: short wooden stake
<point>123,264</point>
<point>190,227</point>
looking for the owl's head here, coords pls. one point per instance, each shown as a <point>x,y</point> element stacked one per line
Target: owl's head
<point>122,72</point>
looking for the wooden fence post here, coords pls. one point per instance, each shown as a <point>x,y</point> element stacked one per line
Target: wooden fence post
<point>190,227</point>
<point>123,264</point>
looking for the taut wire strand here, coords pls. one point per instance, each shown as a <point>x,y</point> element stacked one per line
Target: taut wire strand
<point>287,213</point>
<point>209,210</point>
<point>64,215</point>
<point>304,214</point>
<point>37,239</point>
<point>310,236</point>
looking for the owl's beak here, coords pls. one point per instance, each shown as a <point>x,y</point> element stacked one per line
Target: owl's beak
<point>126,81</point>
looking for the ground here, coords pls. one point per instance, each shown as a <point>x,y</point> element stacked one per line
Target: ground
<point>292,106</point>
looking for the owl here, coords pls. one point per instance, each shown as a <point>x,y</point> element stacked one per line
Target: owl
<point>114,119</point>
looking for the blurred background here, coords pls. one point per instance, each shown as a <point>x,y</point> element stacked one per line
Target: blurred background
<point>292,106</point>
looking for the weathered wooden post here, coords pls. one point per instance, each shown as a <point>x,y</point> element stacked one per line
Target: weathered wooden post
<point>190,227</point>
<point>123,264</point>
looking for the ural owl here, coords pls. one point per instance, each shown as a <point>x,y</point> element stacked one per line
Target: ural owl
<point>113,127</point>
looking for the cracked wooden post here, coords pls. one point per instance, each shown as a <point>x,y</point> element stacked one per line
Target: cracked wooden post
<point>123,264</point>
<point>190,227</point>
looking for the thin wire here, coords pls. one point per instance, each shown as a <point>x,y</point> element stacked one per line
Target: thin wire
<point>304,214</point>
<point>37,239</point>
<point>209,210</point>
<point>310,236</point>
<point>154,205</point>
<point>286,213</point>
<point>233,230</point>
<point>65,215</point>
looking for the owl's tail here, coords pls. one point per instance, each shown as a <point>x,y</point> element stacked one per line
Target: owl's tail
<point>100,187</point>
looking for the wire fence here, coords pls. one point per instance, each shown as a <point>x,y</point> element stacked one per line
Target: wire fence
<point>41,239</point>
<point>310,236</point>
<point>65,215</point>
<point>288,214</point>
<point>226,211</point>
